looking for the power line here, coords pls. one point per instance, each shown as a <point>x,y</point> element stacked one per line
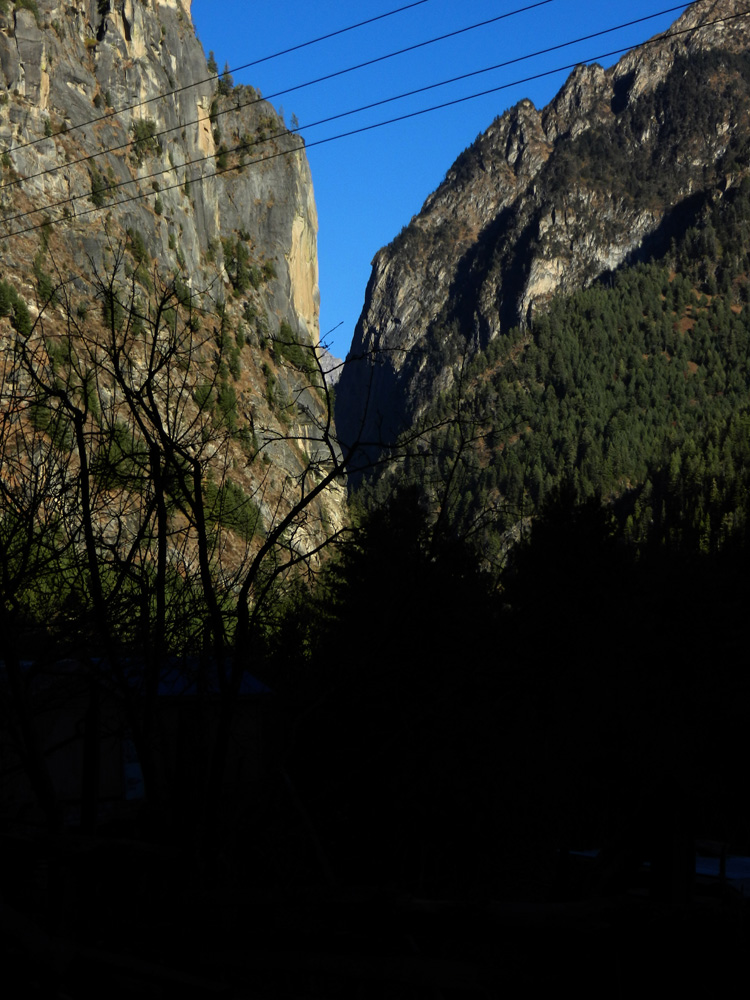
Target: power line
<point>241,105</point>
<point>516,83</point>
<point>244,146</point>
<point>215,77</point>
<point>343,135</point>
<point>486,69</point>
<point>280,93</point>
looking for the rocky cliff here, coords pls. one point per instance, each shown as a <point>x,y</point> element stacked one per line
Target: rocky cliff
<point>547,201</point>
<point>117,144</point>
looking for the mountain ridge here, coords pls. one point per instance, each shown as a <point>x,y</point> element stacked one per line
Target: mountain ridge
<point>517,220</point>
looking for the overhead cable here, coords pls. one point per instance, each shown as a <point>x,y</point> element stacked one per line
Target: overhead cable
<point>217,76</point>
<point>245,104</point>
<point>342,135</point>
<point>278,93</point>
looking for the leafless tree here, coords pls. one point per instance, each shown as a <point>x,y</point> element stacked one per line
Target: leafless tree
<point>155,527</point>
<point>118,454</point>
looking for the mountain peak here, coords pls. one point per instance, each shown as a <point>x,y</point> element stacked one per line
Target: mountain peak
<point>548,201</point>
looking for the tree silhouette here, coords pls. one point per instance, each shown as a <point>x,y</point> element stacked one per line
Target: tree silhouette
<point>139,541</point>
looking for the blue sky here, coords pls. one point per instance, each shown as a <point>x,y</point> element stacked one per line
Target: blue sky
<point>368,186</point>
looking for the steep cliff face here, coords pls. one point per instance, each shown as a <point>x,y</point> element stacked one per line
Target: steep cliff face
<point>116,142</point>
<point>546,202</point>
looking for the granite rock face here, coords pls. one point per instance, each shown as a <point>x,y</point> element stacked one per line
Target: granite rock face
<point>89,57</point>
<point>111,123</point>
<point>541,203</point>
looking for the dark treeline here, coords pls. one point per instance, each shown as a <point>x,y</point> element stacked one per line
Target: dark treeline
<point>549,620</point>
<point>467,726</point>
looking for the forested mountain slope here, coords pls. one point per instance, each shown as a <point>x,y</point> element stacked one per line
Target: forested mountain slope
<point>635,388</point>
<point>614,171</point>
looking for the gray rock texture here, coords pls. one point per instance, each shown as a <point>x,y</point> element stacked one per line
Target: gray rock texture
<point>519,219</point>
<point>110,123</point>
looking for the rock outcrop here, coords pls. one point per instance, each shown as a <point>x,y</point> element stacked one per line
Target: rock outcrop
<point>112,129</point>
<point>546,202</point>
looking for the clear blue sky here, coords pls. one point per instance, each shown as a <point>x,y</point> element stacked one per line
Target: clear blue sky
<point>368,186</point>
